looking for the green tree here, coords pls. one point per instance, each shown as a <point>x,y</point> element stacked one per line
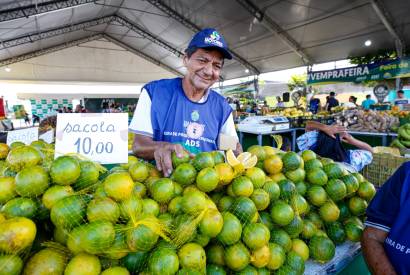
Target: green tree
<point>297,81</point>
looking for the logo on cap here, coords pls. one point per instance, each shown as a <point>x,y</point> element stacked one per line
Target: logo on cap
<point>214,39</point>
<point>215,35</point>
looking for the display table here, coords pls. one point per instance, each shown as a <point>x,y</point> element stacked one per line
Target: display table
<point>383,136</point>
<point>262,133</point>
<point>293,131</point>
<point>345,254</point>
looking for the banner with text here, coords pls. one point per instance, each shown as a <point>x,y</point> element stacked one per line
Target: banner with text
<point>248,87</point>
<point>397,68</point>
<point>101,137</point>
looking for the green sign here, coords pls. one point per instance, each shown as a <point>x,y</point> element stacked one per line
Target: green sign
<point>397,68</point>
<point>242,88</point>
<point>19,111</point>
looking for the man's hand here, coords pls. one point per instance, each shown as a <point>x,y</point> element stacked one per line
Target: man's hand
<point>334,129</point>
<point>162,157</point>
<point>346,137</point>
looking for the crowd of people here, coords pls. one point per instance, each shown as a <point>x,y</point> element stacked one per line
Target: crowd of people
<point>331,102</point>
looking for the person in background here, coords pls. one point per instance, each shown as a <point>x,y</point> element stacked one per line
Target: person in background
<point>327,103</point>
<point>231,103</point>
<point>105,108</point>
<point>314,104</point>
<point>26,118</point>
<point>254,109</point>
<point>118,107</point>
<point>80,109</point>
<point>238,105</point>
<point>332,102</point>
<point>326,141</point>
<point>233,106</point>
<point>401,99</point>
<point>386,236</point>
<point>69,110</point>
<point>351,103</point>
<point>36,119</point>
<point>280,103</point>
<point>265,108</point>
<point>248,108</point>
<point>354,100</point>
<point>368,102</point>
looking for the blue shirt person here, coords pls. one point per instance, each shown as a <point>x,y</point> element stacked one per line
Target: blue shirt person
<point>368,102</point>
<point>314,105</point>
<point>386,238</point>
<point>173,115</point>
<point>401,99</point>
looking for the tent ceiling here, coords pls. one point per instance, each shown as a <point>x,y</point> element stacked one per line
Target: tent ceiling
<point>265,35</point>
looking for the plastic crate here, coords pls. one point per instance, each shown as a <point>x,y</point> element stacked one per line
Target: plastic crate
<point>382,167</point>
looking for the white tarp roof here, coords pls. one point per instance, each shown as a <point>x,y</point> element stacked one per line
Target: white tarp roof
<point>265,35</point>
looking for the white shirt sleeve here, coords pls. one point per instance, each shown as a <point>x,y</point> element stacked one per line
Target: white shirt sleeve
<point>229,127</point>
<point>141,121</point>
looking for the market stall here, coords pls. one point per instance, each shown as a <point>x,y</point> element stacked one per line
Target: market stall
<point>131,219</point>
<point>75,199</point>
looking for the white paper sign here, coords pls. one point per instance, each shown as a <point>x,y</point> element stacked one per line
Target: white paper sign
<point>101,137</point>
<point>27,135</point>
<point>48,136</point>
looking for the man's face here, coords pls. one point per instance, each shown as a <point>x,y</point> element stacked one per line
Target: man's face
<point>399,95</point>
<point>203,68</point>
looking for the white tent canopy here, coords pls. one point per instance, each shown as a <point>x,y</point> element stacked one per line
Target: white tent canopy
<point>265,35</point>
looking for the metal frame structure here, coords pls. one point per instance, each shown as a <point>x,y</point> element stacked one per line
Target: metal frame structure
<point>192,26</point>
<point>144,33</point>
<point>385,17</point>
<point>36,36</point>
<point>40,8</point>
<point>83,25</point>
<point>275,28</point>
<point>141,54</point>
<point>19,58</point>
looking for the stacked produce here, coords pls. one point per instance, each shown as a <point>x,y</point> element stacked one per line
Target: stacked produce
<point>403,139</point>
<point>130,140</point>
<point>366,121</point>
<point>290,112</point>
<point>263,211</point>
<point>395,111</point>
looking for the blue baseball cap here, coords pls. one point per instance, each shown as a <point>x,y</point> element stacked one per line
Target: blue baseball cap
<point>210,38</point>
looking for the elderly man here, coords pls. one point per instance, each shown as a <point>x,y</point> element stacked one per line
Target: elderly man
<point>386,238</point>
<point>184,113</point>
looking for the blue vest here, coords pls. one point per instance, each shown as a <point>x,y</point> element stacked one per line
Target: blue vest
<point>389,210</point>
<point>177,119</point>
<point>397,243</point>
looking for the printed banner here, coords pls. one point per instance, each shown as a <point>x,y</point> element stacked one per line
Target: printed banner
<point>242,88</point>
<point>397,68</point>
<point>42,107</point>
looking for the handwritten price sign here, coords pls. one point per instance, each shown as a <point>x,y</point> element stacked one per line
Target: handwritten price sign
<point>26,136</point>
<point>99,137</point>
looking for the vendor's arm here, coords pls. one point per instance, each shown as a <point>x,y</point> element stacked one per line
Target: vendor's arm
<point>229,129</point>
<point>144,146</point>
<point>346,137</point>
<point>373,251</point>
<point>381,216</point>
<point>330,130</point>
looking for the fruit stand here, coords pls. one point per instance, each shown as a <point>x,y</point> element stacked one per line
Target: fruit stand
<point>263,211</point>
